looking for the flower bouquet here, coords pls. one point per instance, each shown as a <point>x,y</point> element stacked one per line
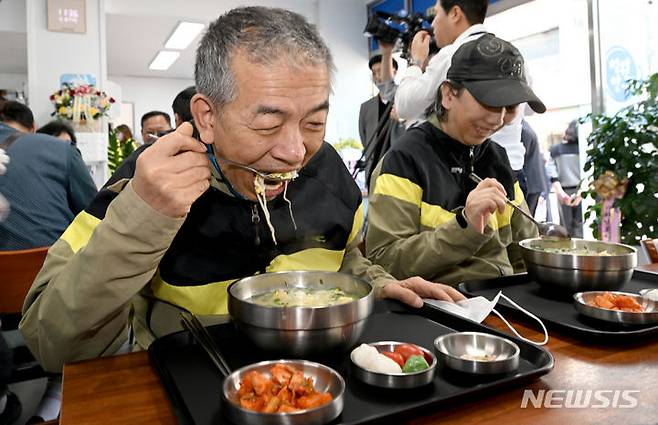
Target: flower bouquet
<point>83,105</point>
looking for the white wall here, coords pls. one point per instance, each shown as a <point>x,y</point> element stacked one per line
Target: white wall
<point>149,94</point>
<point>12,15</point>
<point>341,24</point>
<point>13,81</point>
<point>51,54</point>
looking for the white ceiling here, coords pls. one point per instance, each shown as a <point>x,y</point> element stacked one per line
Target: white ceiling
<point>130,55</point>
<point>155,20</point>
<point>136,30</point>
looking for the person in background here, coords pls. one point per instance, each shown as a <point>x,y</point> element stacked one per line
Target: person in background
<point>181,105</point>
<point>154,124</point>
<point>456,22</point>
<point>17,116</point>
<point>564,171</point>
<point>124,134</point>
<point>61,130</point>
<point>383,68</point>
<point>46,184</point>
<point>426,216</point>
<point>534,181</point>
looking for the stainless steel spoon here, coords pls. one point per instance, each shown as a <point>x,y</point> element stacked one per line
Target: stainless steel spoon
<point>271,177</point>
<point>275,177</point>
<point>547,229</point>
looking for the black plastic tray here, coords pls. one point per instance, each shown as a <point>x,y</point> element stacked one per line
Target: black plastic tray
<point>194,385</point>
<point>559,312</point>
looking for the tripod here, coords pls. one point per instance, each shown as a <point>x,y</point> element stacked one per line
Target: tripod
<point>375,145</point>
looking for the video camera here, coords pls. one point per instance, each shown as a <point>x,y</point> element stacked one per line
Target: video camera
<point>389,27</point>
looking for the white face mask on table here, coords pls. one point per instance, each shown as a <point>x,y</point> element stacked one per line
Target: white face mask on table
<point>478,308</point>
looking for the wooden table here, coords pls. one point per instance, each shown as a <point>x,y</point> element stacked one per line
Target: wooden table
<point>126,390</point>
<point>649,268</point>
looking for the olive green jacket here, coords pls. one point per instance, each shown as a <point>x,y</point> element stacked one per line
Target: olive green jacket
<point>416,193</point>
<point>121,266</point>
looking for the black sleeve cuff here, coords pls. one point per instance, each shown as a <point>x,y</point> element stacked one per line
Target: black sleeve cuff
<point>461,218</point>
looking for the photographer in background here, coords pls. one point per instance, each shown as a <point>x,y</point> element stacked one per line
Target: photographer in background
<point>456,22</point>
<point>383,68</point>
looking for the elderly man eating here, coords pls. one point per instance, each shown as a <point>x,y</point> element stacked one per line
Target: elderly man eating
<point>180,221</point>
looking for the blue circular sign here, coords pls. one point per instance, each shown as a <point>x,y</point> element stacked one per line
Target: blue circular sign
<point>620,67</point>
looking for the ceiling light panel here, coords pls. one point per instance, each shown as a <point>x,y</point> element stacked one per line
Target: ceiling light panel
<point>183,35</point>
<point>163,60</point>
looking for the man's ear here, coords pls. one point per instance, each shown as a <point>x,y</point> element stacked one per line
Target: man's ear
<point>203,111</point>
<point>447,96</point>
<point>456,14</point>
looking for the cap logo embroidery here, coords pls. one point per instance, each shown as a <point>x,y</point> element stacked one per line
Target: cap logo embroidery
<point>491,47</point>
<point>512,66</point>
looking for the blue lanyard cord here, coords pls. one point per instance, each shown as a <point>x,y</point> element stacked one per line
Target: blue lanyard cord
<point>222,177</point>
<point>213,161</point>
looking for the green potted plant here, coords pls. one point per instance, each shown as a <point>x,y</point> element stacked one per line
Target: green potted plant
<point>118,150</point>
<point>623,157</point>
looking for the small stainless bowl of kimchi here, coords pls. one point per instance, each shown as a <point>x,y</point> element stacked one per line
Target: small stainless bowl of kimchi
<point>617,307</point>
<point>277,392</point>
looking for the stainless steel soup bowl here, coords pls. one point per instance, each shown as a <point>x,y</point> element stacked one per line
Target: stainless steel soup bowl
<point>300,331</point>
<point>570,273</point>
<point>325,379</point>
<point>450,348</point>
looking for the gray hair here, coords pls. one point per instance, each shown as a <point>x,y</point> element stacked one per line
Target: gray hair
<point>266,35</point>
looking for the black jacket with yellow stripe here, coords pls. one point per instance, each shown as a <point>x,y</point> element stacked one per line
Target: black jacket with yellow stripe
<point>121,260</point>
<point>417,189</point>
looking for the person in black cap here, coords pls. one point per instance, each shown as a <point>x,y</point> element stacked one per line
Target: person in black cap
<point>427,216</point>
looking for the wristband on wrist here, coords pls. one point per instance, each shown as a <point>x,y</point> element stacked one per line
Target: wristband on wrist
<point>416,62</point>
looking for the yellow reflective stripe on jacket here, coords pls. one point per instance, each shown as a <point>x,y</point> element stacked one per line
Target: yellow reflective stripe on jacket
<point>79,231</point>
<point>498,220</point>
<point>399,188</point>
<point>434,215</point>
<point>357,224</point>
<point>309,259</point>
<point>211,298</point>
<point>408,191</point>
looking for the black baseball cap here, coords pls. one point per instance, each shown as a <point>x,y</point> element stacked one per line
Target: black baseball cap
<point>492,70</point>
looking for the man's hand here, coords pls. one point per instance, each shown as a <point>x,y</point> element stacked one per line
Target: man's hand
<point>411,291</point>
<point>173,173</point>
<point>420,46</point>
<point>568,200</point>
<point>487,197</point>
<point>576,199</point>
<point>386,48</point>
